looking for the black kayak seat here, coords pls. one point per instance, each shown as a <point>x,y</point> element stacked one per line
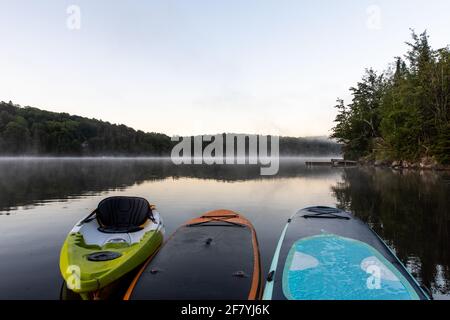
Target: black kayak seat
<point>123,214</point>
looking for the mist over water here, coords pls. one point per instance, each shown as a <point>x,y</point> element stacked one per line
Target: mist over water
<point>42,198</point>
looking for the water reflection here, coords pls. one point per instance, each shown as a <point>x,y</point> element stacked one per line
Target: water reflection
<point>40,200</point>
<point>410,210</point>
<point>46,198</point>
<point>28,182</point>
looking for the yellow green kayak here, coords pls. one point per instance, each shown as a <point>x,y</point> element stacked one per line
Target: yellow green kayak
<point>121,234</point>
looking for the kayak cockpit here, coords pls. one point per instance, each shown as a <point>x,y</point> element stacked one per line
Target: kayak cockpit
<point>123,214</point>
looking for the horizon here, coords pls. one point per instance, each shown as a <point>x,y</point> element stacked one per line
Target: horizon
<point>275,69</point>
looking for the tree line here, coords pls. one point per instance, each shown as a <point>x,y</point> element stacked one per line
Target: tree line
<point>402,113</point>
<point>31,131</point>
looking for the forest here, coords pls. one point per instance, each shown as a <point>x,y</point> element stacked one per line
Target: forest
<point>402,113</point>
<point>31,131</point>
<point>28,131</point>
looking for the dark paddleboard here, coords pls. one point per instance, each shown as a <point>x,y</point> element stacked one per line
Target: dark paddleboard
<point>328,254</point>
<point>215,256</point>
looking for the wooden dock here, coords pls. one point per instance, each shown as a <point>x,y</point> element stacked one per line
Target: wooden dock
<point>332,163</point>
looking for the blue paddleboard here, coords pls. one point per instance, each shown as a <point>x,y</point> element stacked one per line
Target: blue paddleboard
<point>328,254</point>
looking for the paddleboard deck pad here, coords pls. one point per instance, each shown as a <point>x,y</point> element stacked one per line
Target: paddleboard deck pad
<point>212,257</point>
<point>328,254</point>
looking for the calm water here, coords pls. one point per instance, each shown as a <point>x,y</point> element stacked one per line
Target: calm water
<point>40,201</point>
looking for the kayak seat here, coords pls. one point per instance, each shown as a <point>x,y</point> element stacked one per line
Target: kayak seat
<point>123,214</point>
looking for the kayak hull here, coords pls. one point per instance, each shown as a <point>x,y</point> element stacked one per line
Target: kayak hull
<point>90,260</point>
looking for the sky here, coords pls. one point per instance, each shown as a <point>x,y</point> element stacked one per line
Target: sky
<point>204,66</point>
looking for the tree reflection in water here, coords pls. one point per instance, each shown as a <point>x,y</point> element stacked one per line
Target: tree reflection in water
<point>410,210</point>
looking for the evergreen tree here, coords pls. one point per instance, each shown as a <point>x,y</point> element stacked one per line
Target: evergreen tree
<point>404,114</point>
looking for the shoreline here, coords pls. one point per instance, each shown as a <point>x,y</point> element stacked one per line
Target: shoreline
<point>426,164</point>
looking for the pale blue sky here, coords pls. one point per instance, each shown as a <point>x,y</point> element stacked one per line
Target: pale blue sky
<point>191,66</point>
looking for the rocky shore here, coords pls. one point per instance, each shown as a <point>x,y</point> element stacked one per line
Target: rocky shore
<point>426,163</point>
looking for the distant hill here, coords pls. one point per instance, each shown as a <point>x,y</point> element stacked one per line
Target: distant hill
<point>31,131</point>
<point>309,146</point>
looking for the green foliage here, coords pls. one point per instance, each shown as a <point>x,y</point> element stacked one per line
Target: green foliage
<point>30,131</point>
<point>405,110</point>
<point>358,123</point>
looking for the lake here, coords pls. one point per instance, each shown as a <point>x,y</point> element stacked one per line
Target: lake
<point>41,200</point>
